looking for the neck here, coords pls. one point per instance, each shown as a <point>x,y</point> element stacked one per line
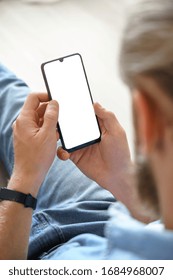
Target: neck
<point>166,205</point>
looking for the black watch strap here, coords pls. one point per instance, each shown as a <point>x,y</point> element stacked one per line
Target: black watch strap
<point>26,199</point>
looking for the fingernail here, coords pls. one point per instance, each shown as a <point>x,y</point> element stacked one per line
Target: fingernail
<point>99,105</point>
<point>53,103</point>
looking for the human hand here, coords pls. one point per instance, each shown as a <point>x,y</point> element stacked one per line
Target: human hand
<point>108,161</point>
<point>35,141</point>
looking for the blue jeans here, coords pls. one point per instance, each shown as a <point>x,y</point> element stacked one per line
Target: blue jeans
<point>69,203</point>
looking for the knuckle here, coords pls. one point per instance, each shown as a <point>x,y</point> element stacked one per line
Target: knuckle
<point>52,111</point>
<point>13,125</point>
<point>30,96</point>
<point>111,115</point>
<point>17,123</point>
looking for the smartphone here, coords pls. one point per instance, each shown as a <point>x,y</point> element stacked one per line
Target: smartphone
<point>66,81</point>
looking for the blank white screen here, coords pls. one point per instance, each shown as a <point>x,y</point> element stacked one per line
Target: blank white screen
<point>67,84</point>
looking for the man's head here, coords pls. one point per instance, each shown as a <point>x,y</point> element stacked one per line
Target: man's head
<point>146,61</point>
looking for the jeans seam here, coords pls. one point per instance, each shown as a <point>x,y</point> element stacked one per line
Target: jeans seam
<point>56,229</point>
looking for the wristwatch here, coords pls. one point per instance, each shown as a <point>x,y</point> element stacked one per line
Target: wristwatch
<point>26,199</point>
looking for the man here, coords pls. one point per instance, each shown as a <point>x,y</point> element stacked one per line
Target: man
<point>71,220</point>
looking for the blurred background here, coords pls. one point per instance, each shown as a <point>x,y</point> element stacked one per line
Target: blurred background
<point>32,33</point>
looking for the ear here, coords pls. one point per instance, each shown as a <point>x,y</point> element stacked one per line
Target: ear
<point>149,123</point>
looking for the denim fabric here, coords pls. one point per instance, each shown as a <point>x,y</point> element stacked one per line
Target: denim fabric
<point>13,92</point>
<point>69,203</point>
<point>125,239</point>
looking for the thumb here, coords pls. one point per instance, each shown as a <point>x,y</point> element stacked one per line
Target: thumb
<point>107,118</point>
<point>51,114</point>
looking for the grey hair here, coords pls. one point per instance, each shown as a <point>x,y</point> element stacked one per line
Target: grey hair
<point>147,44</point>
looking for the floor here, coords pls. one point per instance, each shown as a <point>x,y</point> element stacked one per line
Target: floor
<point>33,33</point>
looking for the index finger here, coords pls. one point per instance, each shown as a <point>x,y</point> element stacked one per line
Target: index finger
<point>34,99</point>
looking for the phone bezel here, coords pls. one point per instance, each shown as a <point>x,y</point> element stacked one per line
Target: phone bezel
<point>50,97</point>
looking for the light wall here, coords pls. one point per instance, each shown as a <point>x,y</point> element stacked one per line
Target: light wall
<point>31,34</point>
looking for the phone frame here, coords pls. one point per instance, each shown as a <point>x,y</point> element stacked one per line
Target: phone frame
<point>50,97</point>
